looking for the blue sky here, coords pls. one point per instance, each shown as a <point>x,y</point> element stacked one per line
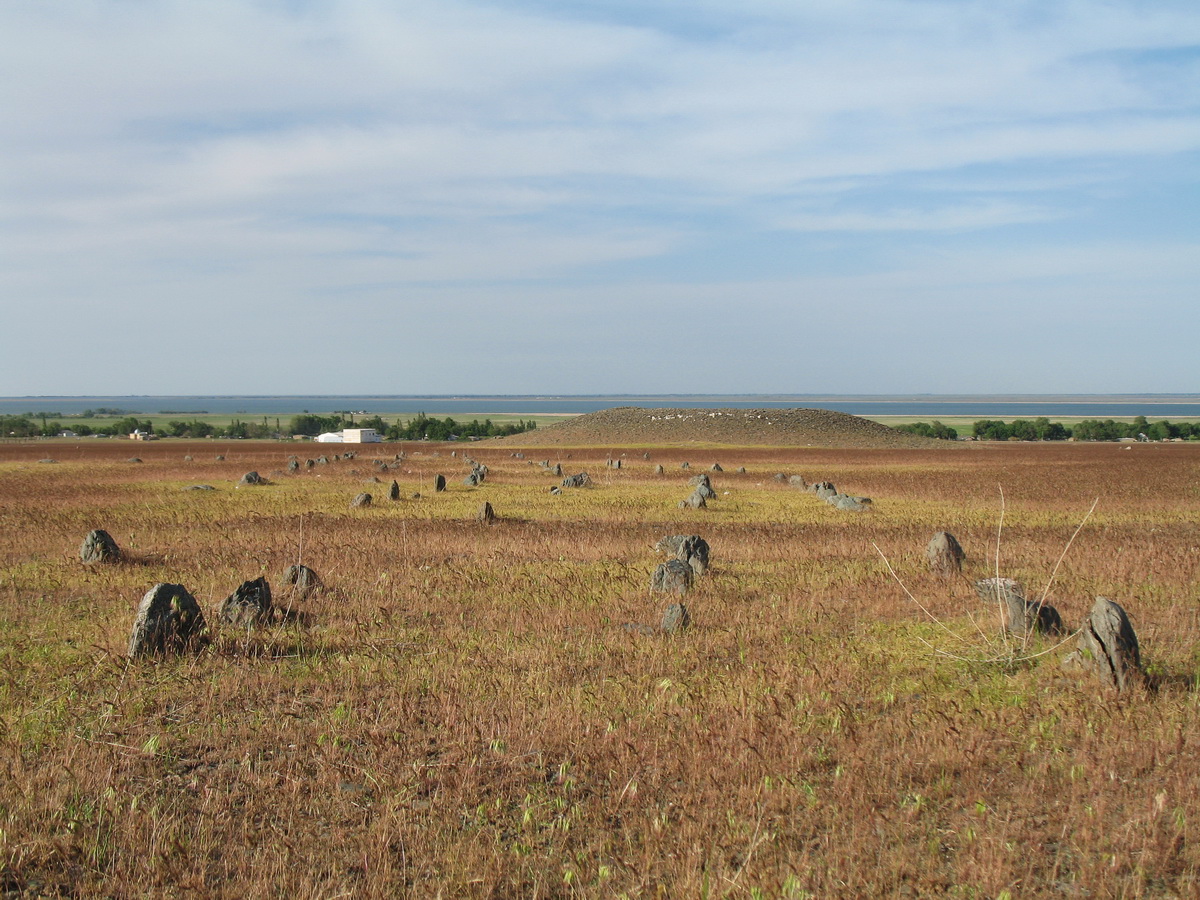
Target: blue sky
<point>592,197</point>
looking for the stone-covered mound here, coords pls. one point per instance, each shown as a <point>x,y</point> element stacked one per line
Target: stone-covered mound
<point>633,426</point>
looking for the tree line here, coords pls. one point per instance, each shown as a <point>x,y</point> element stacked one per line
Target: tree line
<point>1042,429</point>
<point>421,428</point>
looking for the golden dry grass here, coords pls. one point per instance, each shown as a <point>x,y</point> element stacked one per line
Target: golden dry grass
<point>461,713</point>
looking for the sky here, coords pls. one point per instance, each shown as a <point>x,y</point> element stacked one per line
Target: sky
<point>631,196</point>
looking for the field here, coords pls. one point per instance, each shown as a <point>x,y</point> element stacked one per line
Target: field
<point>461,713</point>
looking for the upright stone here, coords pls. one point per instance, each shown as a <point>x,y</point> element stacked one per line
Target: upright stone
<point>658,469</point>
<point>394,491</point>
<point>99,547</point>
<point>486,515</point>
<point>302,580</point>
<point>439,484</point>
<point>695,501</point>
<point>676,619</point>
<point>168,620</point>
<point>1108,645</point>
<point>249,605</point>
<point>1017,614</point>
<point>672,577</point>
<point>251,478</point>
<point>945,554</point>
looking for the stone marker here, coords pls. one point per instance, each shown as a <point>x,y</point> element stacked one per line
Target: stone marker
<point>689,548</point>
<point>486,515</point>
<point>309,463</point>
<point>658,469</point>
<point>48,461</point>
<point>853,504</point>
<point>556,489</point>
<point>694,501</point>
<point>249,605</point>
<point>576,481</point>
<point>706,492</point>
<point>251,478</point>
<point>676,619</point>
<point>701,480</point>
<point>168,620</point>
<point>219,458</point>
<point>302,580</point>
<point>798,481</point>
<point>99,547</point>
<point>362,501</point>
<point>779,476</point>
<point>715,467</point>
<point>672,577</point>
<point>741,470</point>
<point>472,480</point>
<point>823,489</point>
<point>1017,614</point>
<point>685,465</point>
<point>945,554</point>
<point>199,487</point>
<point>394,491</point>
<point>439,484</point>
<point>134,459</point>
<point>1108,646</point>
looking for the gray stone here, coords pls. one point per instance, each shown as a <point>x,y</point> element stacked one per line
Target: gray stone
<point>798,481</point>
<point>220,458</point>
<point>556,490</point>
<point>200,487</point>
<point>685,465</point>
<point>168,620</point>
<point>362,501</point>
<point>780,477</point>
<point>486,514</point>
<point>715,467</point>
<point>394,491</point>
<point>99,547</point>
<point>700,480</point>
<point>689,548</point>
<point>945,554</point>
<point>695,500</point>
<point>854,504</point>
<point>823,489</point>
<point>557,470</point>
<point>1017,614</point>
<point>676,619</point>
<point>309,463</point>
<point>302,580</point>
<point>439,484</point>
<point>741,470</point>
<point>48,461</point>
<point>658,469</point>
<point>293,465</point>
<point>1108,646</point>
<point>248,606</point>
<point>672,577</point>
<point>472,480</point>
<point>576,481</point>
<point>134,459</point>
<point>706,492</point>
<point>251,478</point>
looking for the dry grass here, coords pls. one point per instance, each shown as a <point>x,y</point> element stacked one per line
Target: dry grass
<point>462,715</point>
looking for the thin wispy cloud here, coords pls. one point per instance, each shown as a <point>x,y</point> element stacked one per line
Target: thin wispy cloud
<point>570,162</point>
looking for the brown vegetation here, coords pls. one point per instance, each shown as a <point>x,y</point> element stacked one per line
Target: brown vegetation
<point>458,711</point>
<point>630,426</point>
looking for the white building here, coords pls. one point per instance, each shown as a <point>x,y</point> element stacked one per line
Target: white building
<point>350,436</point>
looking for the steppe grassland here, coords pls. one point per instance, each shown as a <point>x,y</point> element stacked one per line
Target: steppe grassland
<point>461,712</point>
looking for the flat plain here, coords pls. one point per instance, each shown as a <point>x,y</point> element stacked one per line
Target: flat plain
<point>461,713</point>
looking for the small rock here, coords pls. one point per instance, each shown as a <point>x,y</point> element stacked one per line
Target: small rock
<point>251,478</point>
<point>672,577</point>
<point>99,547</point>
<point>576,481</point>
<point>362,501</point>
<point>302,580</point>
<point>200,487</point>
<point>945,554</point>
<point>676,619</point>
<point>168,620</point>
<point>249,605</point>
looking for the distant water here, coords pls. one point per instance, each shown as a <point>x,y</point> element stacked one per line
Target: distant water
<point>1156,406</point>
